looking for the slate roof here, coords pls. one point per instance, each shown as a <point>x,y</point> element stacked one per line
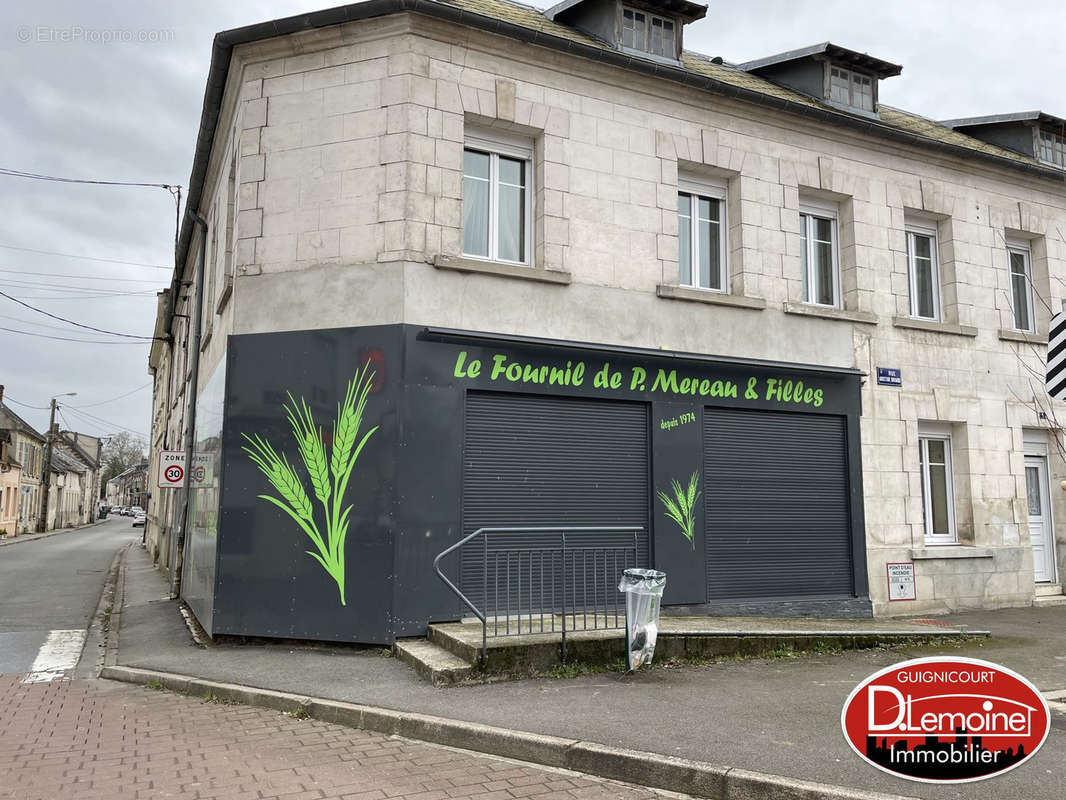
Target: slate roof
<point>9,419</point>
<point>879,67</point>
<point>699,64</point>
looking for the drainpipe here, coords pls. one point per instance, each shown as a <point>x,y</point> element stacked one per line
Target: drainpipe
<point>190,430</point>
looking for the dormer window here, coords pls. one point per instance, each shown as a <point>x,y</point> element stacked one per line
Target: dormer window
<point>850,88</point>
<point>845,79</point>
<point>1052,148</point>
<point>654,30</point>
<point>648,32</point>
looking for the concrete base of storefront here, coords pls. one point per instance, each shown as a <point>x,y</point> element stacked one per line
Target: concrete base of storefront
<point>451,652</point>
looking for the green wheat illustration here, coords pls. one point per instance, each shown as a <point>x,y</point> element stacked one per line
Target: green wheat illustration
<point>681,507</point>
<point>329,477</point>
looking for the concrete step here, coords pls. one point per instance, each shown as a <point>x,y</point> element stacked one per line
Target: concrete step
<point>432,662</point>
<point>1049,600</point>
<point>1048,590</point>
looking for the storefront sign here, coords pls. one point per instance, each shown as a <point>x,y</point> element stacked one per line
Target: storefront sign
<point>503,369</point>
<point>945,720</point>
<point>889,376</point>
<point>901,581</point>
<point>171,470</point>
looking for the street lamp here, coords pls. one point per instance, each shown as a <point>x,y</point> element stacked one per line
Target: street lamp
<point>42,519</point>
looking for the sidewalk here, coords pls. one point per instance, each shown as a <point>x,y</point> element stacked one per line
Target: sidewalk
<point>780,717</point>
<point>33,537</point>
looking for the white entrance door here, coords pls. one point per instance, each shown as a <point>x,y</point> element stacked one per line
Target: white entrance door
<point>1041,533</point>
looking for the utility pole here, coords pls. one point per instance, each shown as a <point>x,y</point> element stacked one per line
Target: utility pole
<point>42,520</point>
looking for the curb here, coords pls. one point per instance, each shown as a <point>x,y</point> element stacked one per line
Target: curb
<point>645,769</point>
<point>36,537</point>
<point>118,600</point>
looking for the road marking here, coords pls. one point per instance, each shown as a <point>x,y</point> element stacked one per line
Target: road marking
<point>57,657</point>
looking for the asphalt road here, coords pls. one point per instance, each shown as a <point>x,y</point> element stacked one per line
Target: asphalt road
<point>49,591</point>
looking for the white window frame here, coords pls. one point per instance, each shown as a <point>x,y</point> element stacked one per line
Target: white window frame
<point>952,536</point>
<point>709,190</point>
<point>495,144</point>
<point>828,211</point>
<point>1022,248</point>
<point>1057,146</point>
<point>927,229</point>
<point>648,23</point>
<point>853,92</point>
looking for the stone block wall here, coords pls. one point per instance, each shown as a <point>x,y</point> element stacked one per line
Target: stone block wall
<point>343,149</point>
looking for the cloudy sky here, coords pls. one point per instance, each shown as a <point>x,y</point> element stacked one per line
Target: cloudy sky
<point>129,110</point>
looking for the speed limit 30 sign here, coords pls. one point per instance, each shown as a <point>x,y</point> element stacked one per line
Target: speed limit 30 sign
<point>172,469</point>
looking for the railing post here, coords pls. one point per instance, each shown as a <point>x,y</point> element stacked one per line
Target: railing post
<point>564,598</point>
<point>484,597</point>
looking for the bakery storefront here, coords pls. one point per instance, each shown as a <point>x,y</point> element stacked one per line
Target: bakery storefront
<point>346,460</point>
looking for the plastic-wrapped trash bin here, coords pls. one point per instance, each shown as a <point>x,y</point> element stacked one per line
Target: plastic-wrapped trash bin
<point>644,591</point>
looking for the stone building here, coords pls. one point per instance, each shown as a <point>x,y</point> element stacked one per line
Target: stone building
<point>400,189</point>
<point>10,478</point>
<point>27,447</point>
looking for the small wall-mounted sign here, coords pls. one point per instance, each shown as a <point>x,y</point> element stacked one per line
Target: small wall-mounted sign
<point>889,376</point>
<point>901,581</point>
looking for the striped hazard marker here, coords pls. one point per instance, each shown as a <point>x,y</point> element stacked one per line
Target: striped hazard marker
<point>1056,357</point>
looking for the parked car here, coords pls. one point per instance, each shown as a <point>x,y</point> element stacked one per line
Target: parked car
<point>138,519</point>
<point>135,510</point>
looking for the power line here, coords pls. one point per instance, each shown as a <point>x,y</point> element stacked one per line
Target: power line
<point>85,258</point>
<point>36,324</point>
<point>17,173</point>
<point>25,405</point>
<point>85,296</point>
<point>77,324</point>
<point>79,277</point>
<point>113,399</point>
<point>100,420</point>
<point>66,338</point>
<point>92,289</point>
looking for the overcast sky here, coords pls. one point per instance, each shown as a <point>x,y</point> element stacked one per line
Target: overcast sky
<point>129,111</point>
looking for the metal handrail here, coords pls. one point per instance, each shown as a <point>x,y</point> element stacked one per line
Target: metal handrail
<point>483,532</point>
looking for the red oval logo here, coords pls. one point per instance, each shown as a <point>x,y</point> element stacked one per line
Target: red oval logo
<point>945,720</point>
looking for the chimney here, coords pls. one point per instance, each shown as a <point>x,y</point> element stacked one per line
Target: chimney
<point>1,392</point>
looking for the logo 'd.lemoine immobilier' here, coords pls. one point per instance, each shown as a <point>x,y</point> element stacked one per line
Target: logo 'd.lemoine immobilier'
<point>945,720</point>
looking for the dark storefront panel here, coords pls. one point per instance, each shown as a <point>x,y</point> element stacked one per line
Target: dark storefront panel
<point>778,523</point>
<point>470,430</point>
<point>532,460</point>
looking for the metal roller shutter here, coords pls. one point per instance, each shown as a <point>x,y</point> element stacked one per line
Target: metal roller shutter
<point>776,499</point>
<point>532,460</point>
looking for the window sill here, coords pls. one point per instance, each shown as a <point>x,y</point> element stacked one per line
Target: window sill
<point>839,314</point>
<point>934,327</point>
<point>671,291</point>
<point>499,268</point>
<point>1011,335</point>
<point>941,551</point>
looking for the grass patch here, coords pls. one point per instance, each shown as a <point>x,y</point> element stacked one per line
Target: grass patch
<point>211,697</point>
<point>575,669</point>
<point>300,712</point>
<point>156,686</point>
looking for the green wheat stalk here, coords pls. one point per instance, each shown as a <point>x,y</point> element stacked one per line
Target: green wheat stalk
<point>681,507</point>
<point>329,476</point>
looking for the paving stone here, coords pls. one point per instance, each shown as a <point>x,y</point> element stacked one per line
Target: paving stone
<point>94,739</point>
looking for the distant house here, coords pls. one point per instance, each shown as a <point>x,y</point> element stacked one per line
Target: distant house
<point>10,477</point>
<point>27,448</point>
<point>129,488</point>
